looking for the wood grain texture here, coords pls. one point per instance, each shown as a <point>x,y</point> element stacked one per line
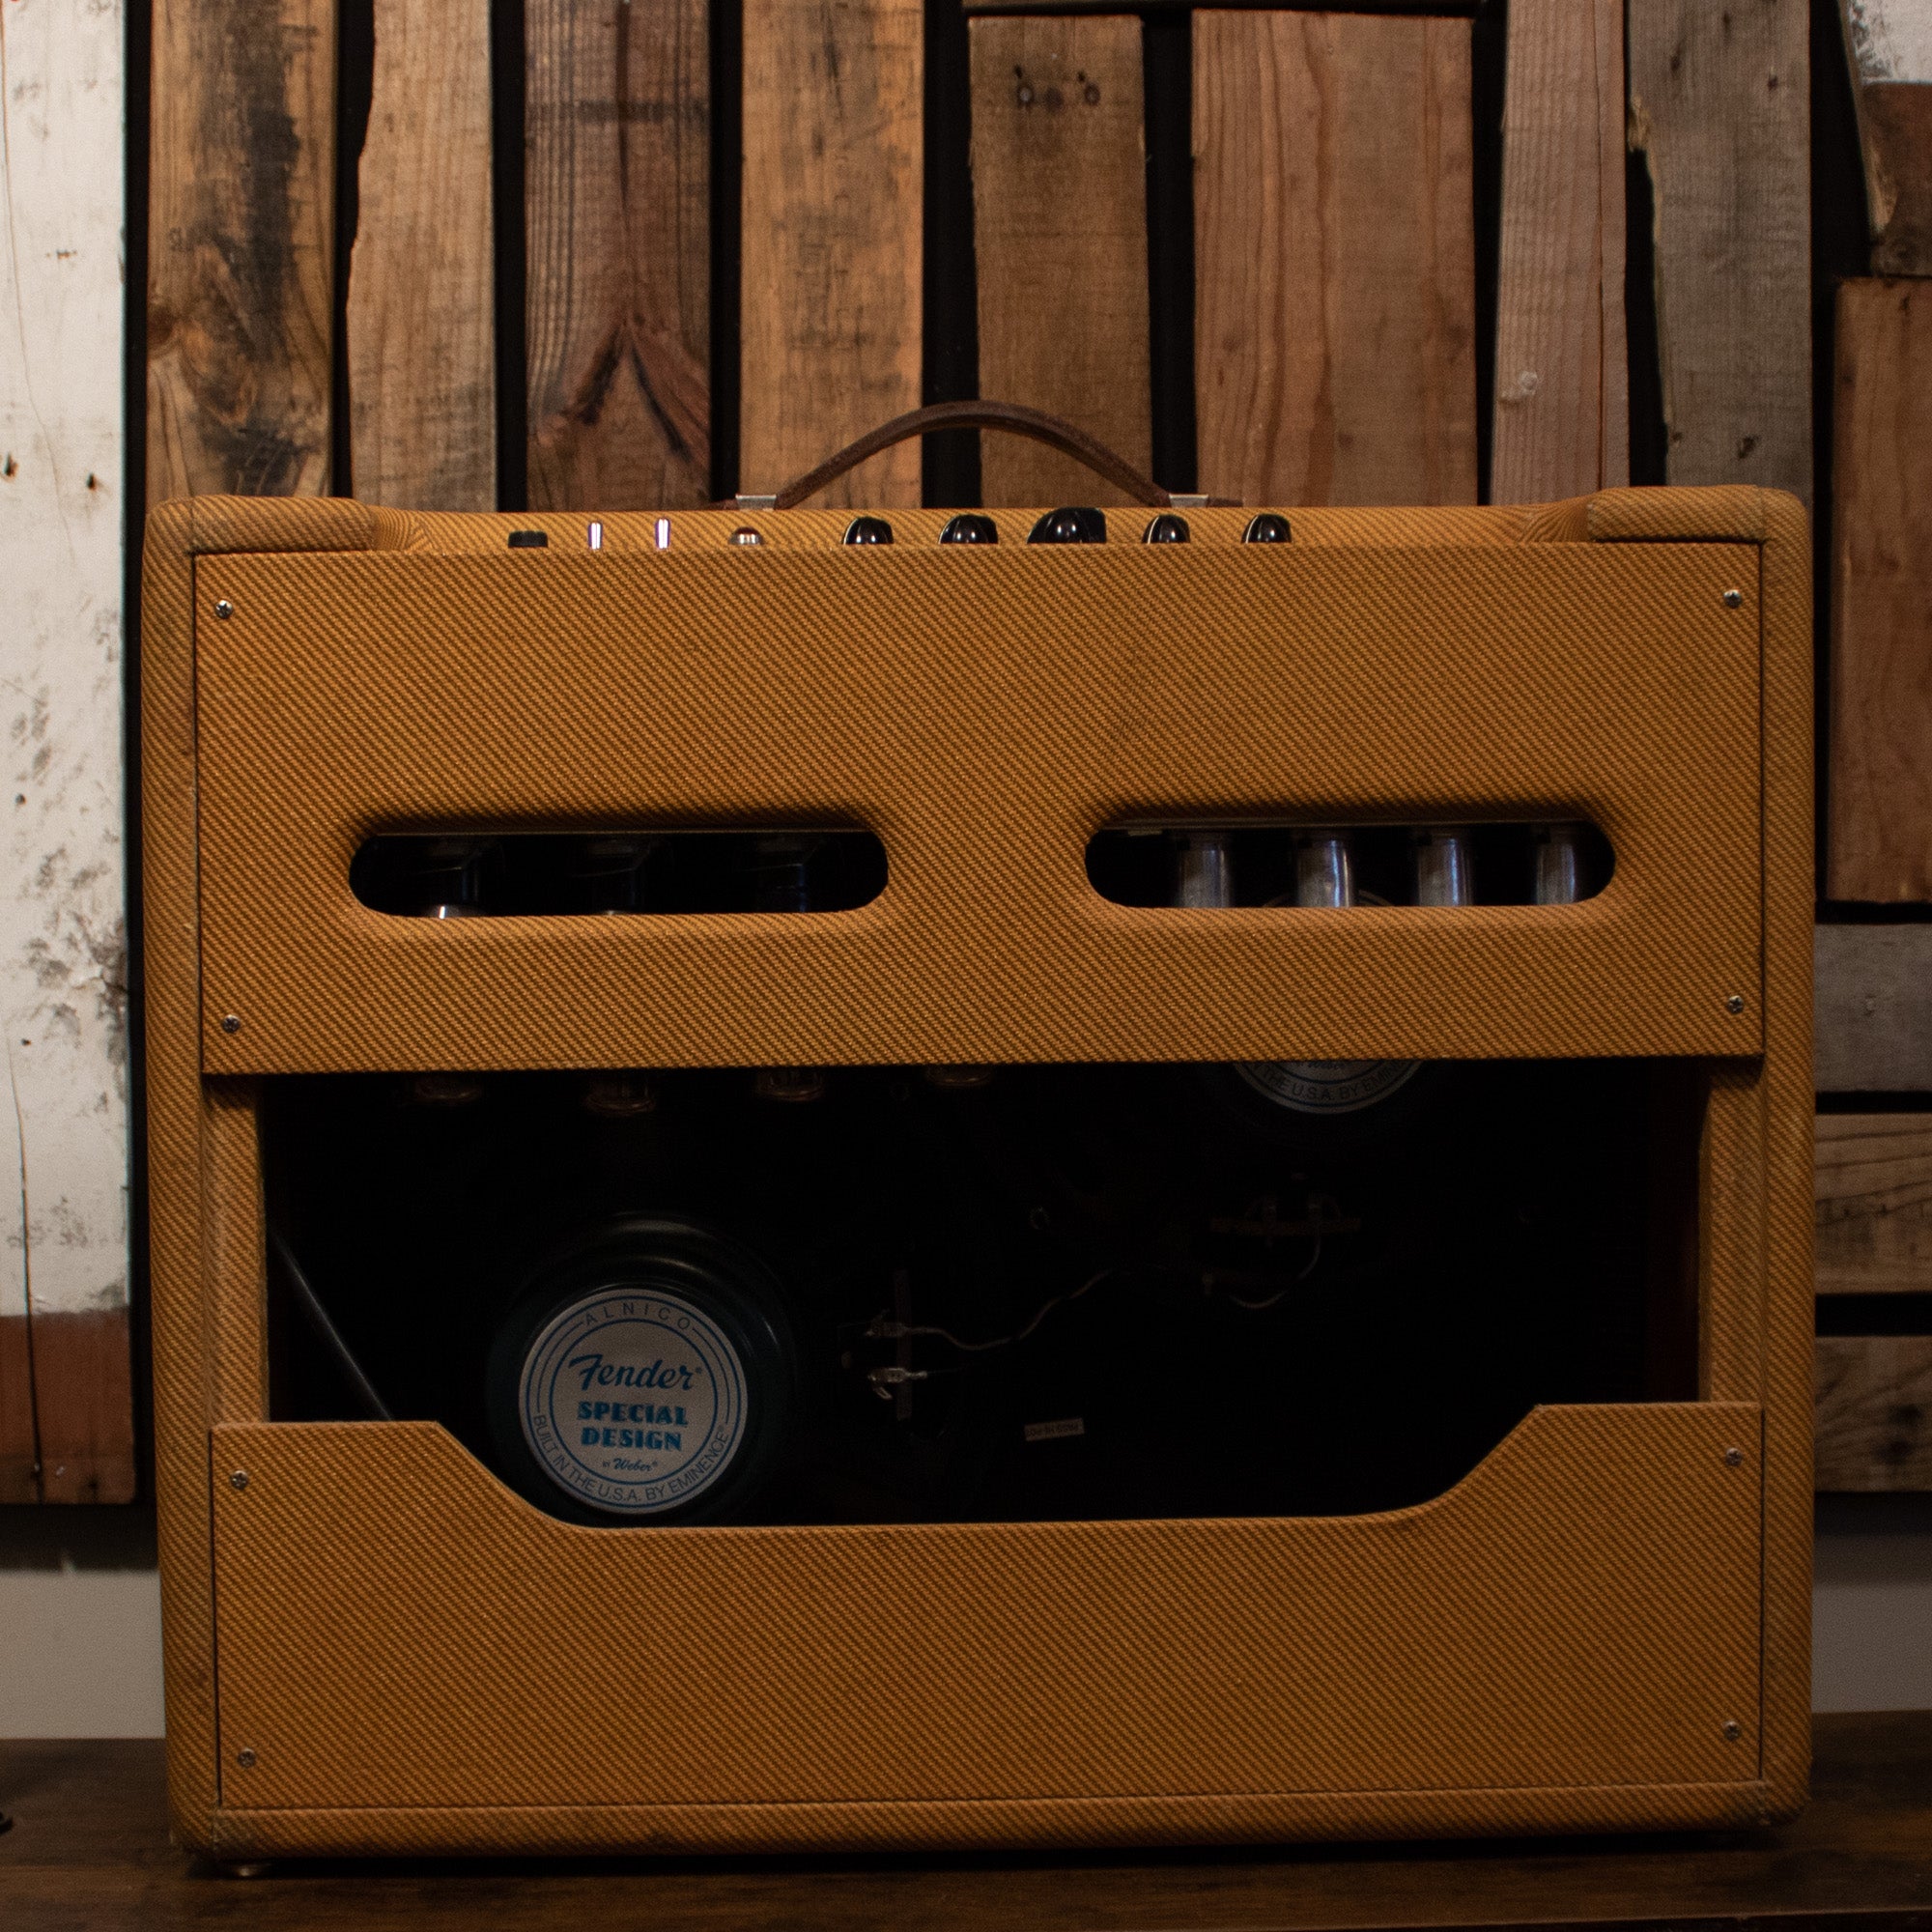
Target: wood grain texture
<point>421,324</point>
<point>617,172</point>
<point>1874,1413</point>
<point>1880,813</point>
<point>1060,242</point>
<point>63,947</point>
<point>1890,42</point>
<point>67,1428</point>
<point>1562,407</point>
<point>84,1399</point>
<point>830,311</point>
<point>19,1450</point>
<point>1873,1025</point>
<point>1874,1194</point>
<point>240,214</point>
<point>1720,108</point>
<point>1334,259</point>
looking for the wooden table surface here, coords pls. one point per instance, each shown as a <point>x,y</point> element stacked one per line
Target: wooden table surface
<point>89,1849</point>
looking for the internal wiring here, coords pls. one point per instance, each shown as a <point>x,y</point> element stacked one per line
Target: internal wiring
<point>310,1305</point>
<point>882,1328</point>
<point>1294,1281</point>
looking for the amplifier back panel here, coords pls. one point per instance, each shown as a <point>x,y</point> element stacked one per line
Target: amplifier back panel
<point>985,714</point>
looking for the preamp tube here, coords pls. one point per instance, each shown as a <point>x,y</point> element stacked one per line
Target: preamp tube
<point>1558,852</point>
<point>1324,870</point>
<point>607,874</point>
<point>1443,873</point>
<point>1204,869</point>
<point>781,868</point>
<point>447,883</point>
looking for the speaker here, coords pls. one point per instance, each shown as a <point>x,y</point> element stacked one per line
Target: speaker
<point>1013,1181</point>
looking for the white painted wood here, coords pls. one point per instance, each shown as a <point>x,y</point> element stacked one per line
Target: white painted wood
<point>1891,40</point>
<point>63,952</point>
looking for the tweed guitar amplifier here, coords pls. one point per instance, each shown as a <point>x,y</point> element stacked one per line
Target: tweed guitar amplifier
<point>1060,1178</point>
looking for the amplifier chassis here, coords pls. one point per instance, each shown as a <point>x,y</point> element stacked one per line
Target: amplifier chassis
<point>374,1645</point>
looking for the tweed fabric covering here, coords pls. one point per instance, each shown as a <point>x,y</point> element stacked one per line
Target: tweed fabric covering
<point>1753,1262</point>
<point>1049,1825</point>
<point>180,1284</point>
<point>1786,1265</point>
<point>1580,1610</point>
<point>984,714</point>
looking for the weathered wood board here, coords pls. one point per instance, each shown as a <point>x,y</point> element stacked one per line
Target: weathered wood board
<point>1334,259</point>
<point>421,326</point>
<point>1873,1009</point>
<point>830,308</point>
<point>240,246</point>
<point>1879,821</point>
<point>1890,42</point>
<point>1562,392</point>
<point>616,194</point>
<point>1720,108</point>
<point>1874,1413</point>
<point>1059,245</point>
<point>1874,1193</point>
<point>66,1430</point>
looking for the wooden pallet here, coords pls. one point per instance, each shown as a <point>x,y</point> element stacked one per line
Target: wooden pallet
<point>707,260</point>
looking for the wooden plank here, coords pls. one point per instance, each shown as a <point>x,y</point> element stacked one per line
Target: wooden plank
<point>1874,1413</point>
<point>1873,1003</point>
<point>1334,259</point>
<point>1059,245</point>
<point>1891,46</point>
<point>83,1395</point>
<point>1462,10</point>
<point>1874,1194</point>
<point>1880,820</point>
<point>617,173</point>
<point>830,315</point>
<point>1720,108</point>
<point>241,241</point>
<point>421,325</point>
<point>1562,395</point>
<point>62,949</point>
<point>19,1447</point>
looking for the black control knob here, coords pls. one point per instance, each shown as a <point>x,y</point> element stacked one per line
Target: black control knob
<point>969,529</point>
<point>1268,528</point>
<point>1069,527</point>
<point>868,531</point>
<point>1165,527</point>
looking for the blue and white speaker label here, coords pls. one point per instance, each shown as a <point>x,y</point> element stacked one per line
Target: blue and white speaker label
<point>1327,1086</point>
<point>634,1402</point>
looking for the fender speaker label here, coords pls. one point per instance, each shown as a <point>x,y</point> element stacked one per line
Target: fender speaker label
<point>1327,1086</point>
<point>633,1401</point>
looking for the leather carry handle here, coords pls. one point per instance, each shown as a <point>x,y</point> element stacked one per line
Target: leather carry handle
<point>1015,420</point>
